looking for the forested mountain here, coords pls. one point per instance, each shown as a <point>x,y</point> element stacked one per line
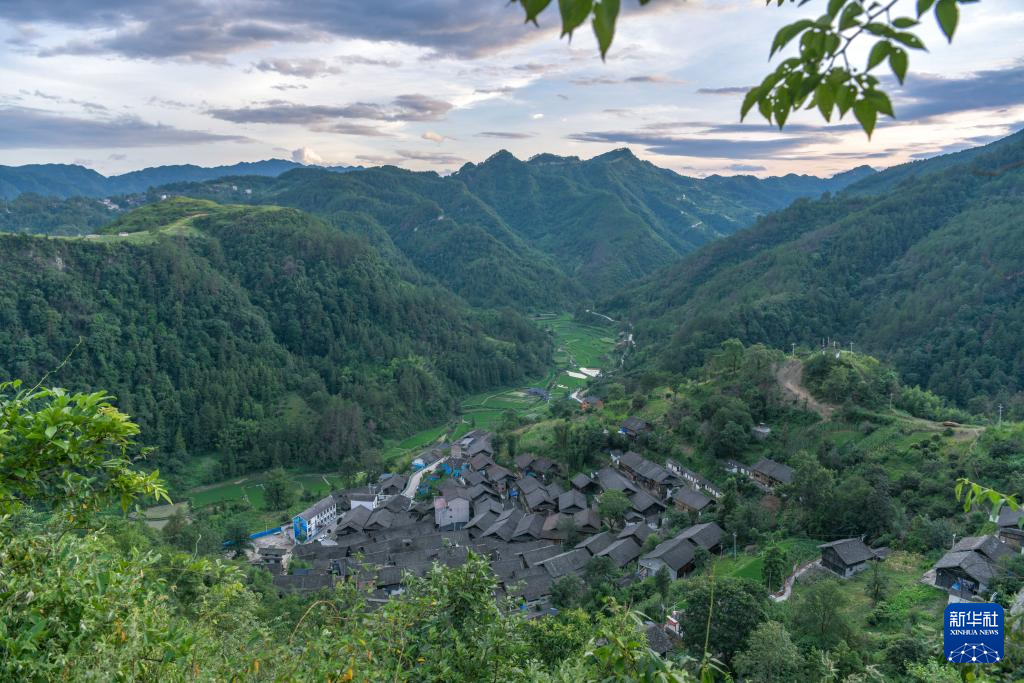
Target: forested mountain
<point>433,223</point>
<point>34,213</point>
<point>71,180</point>
<point>548,233</point>
<point>927,274</point>
<point>261,333</point>
<point>613,218</point>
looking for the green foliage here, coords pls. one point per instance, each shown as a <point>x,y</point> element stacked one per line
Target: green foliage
<point>613,507</point>
<point>30,212</point>
<point>770,655</point>
<point>820,76</point>
<point>850,267</point>
<point>818,617</point>
<point>736,607</point>
<point>73,452</point>
<point>278,490</point>
<point>268,338</point>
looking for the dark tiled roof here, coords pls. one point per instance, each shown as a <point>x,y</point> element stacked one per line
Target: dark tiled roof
<point>532,557</point>
<point>622,551</point>
<point>675,552</point>
<point>1008,517</point>
<point>530,526</point>
<point>644,502</point>
<point>989,546</point>
<point>587,520</point>
<point>640,531</point>
<point>581,481</point>
<point>851,551</point>
<point>597,543</point>
<point>706,535</point>
<point>524,460</point>
<point>694,500</point>
<point>321,505</point>
<point>634,424</point>
<point>572,501</point>
<point>303,583</point>
<point>645,468</point>
<point>657,639</point>
<point>566,563</point>
<point>355,519</point>
<point>774,470</point>
<point>610,480</point>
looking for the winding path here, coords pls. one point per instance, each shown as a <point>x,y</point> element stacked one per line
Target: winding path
<point>414,480</point>
<point>790,376</point>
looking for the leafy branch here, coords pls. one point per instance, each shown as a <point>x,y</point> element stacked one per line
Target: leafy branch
<point>821,75</point>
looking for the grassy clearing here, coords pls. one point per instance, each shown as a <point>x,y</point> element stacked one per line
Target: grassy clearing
<point>751,565</point>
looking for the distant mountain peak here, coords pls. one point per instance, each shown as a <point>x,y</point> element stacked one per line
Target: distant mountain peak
<point>624,153</point>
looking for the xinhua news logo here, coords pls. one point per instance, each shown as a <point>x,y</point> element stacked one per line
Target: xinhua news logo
<point>974,633</point>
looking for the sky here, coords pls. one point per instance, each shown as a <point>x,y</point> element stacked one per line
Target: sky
<point>118,85</point>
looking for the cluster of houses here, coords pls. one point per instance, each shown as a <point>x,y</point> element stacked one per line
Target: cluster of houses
<point>536,525</point>
<point>533,524</point>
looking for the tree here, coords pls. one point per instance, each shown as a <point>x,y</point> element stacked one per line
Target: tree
<point>662,582</point>
<point>278,490</point>
<point>568,591</point>
<point>818,614</point>
<point>236,537</point>
<point>820,75</point>
<point>567,527</point>
<point>877,585</point>
<point>770,655</point>
<point>72,452</point>
<point>776,566</point>
<point>739,606</point>
<point>613,507</point>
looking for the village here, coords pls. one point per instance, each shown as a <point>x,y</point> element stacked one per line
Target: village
<point>537,523</point>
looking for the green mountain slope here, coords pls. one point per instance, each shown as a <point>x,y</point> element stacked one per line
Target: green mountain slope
<point>71,180</point>
<point>432,223</point>
<point>258,332</point>
<point>614,218</point>
<point>928,276</point>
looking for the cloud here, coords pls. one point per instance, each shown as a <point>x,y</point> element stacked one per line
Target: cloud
<point>498,90</point>
<point>702,146</point>
<point>302,68</point>
<point>91,107</point>
<point>290,86</point>
<point>347,128</point>
<point>430,157</point>
<point>537,117</point>
<point>731,90</point>
<point>170,104</point>
<point>208,31</point>
<point>434,136</point>
<point>368,61</point>
<point>402,108</point>
<point>306,155</point>
<point>25,128</point>
<point>404,155</point>
<point>746,168</point>
<point>657,79</point>
<point>929,95</point>
<point>117,157</point>
<point>503,135</point>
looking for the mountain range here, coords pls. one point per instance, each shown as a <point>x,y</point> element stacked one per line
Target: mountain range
<point>551,232</point>
<point>72,180</point>
<point>920,264</point>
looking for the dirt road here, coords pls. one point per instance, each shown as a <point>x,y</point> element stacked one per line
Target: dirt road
<point>790,375</point>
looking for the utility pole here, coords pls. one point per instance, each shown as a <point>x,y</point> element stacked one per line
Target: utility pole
<point>851,347</point>
<point>1000,414</point>
<point>734,545</point>
<point>793,344</point>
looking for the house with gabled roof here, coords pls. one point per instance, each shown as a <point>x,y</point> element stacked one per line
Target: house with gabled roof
<point>622,551</point>
<point>568,562</point>
<point>646,505</point>
<point>691,500</point>
<point>572,501</point>
<point>530,527</point>
<point>676,556</point>
<point>1010,531</point>
<point>611,480</point>
<point>695,480</point>
<point>451,513</point>
<point>646,473</point>
<point>597,543</point>
<point>970,567</point>
<point>584,483</point>
<point>504,527</point>
<point>587,521</point>
<point>846,557</point>
<point>770,474</point>
<point>707,535</point>
<point>634,427</point>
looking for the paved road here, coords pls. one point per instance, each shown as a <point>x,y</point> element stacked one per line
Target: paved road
<point>787,586</point>
<point>414,480</point>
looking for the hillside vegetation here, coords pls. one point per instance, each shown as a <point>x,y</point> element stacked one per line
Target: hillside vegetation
<point>926,275</point>
<point>260,333</point>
